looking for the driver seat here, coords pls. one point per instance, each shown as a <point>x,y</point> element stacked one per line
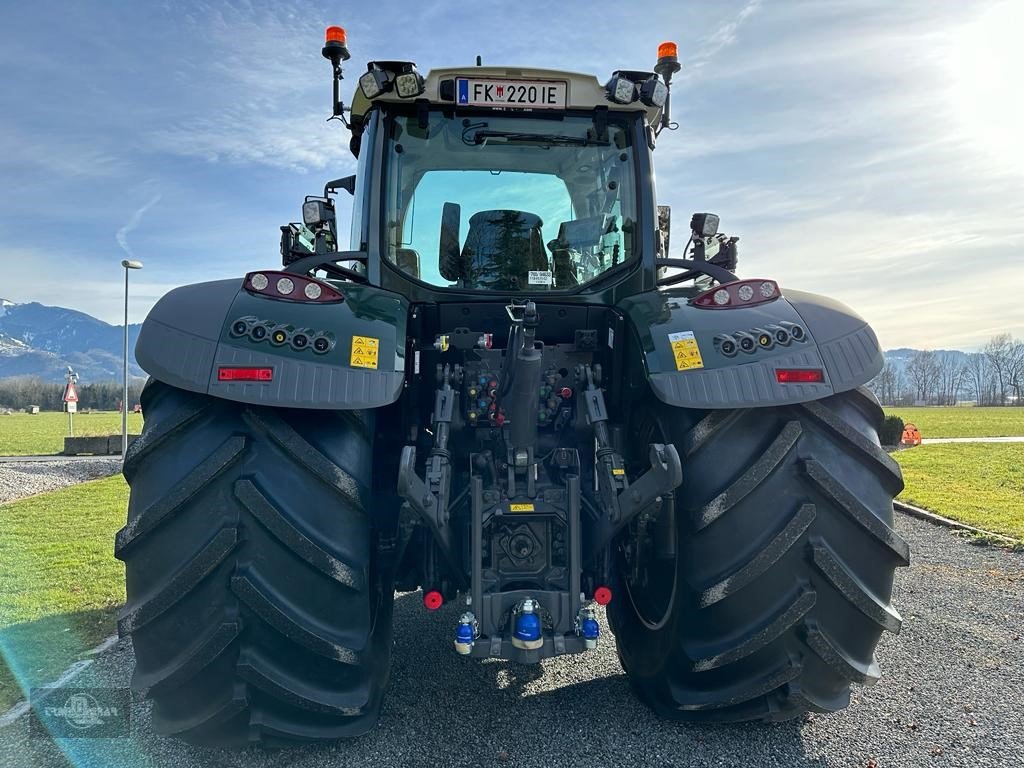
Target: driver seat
<point>502,247</point>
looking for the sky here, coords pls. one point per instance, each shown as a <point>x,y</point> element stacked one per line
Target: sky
<point>866,150</point>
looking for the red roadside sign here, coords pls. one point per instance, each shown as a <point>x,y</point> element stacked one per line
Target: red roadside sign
<point>70,393</point>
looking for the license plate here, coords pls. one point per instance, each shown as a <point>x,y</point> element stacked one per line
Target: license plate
<point>537,94</point>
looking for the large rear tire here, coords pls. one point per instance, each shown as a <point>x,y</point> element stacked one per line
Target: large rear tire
<point>780,587</point>
<point>255,606</point>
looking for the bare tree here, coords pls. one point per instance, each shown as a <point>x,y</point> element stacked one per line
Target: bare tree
<point>999,352</point>
<point>884,385</point>
<point>949,377</point>
<point>977,375</point>
<point>922,370</point>
<point>1015,370</point>
<point>23,391</point>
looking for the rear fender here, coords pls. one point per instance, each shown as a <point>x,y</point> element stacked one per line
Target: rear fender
<point>836,340</point>
<point>189,335</point>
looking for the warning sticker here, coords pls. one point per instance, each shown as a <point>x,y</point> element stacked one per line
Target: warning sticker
<point>618,471</point>
<point>364,352</point>
<point>685,351</point>
<point>520,507</point>
<point>538,277</point>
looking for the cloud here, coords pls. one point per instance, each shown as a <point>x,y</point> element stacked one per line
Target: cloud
<point>298,143</point>
<point>723,36</point>
<point>257,91</point>
<point>122,234</point>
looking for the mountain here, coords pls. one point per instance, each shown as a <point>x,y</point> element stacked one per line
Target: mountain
<point>37,340</point>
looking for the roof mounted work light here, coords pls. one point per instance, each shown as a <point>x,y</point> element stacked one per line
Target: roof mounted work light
<point>621,89</point>
<point>398,76</point>
<point>374,82</point>
<point>653,92</point>
<point>409,82</point>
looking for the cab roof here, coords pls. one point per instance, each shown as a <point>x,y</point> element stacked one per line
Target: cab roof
<point>583,91</point>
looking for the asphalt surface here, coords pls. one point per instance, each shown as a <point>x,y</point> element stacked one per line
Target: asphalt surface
<point>952,695</point>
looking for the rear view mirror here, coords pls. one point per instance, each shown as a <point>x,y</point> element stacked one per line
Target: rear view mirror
<point>704,224</point>
<point>449,249</point>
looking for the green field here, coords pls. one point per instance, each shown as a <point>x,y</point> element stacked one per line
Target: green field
<point>976,483</point>
<point>60,586</point>
<point>963,422</point>
<point>22,434</point>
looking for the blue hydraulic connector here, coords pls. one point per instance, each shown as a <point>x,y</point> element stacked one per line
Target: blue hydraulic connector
<point>465,634</point>
<point>588,628</point>
<point>527,632</point>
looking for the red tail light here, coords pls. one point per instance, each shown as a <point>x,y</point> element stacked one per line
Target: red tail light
<point>800,375</point>
<point>602,595</point>
<point>284,285</point>
<point>245,374</point>
<point>741,293</point>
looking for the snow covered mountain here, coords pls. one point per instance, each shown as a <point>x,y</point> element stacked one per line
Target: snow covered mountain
<point>37,340</point>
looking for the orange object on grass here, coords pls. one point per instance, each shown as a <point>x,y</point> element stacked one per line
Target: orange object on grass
<point>911,435</point>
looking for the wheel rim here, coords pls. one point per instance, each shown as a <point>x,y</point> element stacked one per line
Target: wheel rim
<point>652,603</point>
<point>652,587</point>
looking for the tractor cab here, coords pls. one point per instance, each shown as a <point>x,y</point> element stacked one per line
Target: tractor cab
<point>491,179</point>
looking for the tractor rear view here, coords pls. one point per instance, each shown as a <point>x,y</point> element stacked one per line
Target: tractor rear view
<point>508,395</point>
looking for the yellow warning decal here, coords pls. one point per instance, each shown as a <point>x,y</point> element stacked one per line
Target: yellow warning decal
<point>618,471</point>
<point>520,507</point>
<point>364,352</point>
<point>685,351</point>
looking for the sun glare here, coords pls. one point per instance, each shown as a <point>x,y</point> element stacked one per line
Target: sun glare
<point>988,78</point>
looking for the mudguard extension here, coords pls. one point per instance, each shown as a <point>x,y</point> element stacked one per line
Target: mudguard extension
<point>188,337</point>
<point>836,340</point>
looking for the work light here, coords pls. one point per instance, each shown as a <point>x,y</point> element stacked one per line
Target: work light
<point>409,84</point>
<point>374,82</point>
<point>621,90</point>
<point>654,92</point>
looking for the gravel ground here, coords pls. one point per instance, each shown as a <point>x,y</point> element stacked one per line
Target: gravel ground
<point>26,478</point>
<point>952,695</point>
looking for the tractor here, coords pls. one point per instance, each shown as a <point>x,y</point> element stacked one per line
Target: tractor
<point>505,394</point>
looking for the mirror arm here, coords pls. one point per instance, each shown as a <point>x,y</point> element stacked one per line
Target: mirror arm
<point>694,268</point>
<point>308,263</point>
<point>348,183</point>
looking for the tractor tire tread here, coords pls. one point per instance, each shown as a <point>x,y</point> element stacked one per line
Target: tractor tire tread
<point>783,581</point>
<point>252,584</point>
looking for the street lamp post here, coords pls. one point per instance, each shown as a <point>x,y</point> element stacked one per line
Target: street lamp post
<point>127,264</point>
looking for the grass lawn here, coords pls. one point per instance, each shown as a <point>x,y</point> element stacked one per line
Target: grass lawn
<point>978,484</point>
<point>942,421</point>
<point>60,586</point>
<point>22,434</point>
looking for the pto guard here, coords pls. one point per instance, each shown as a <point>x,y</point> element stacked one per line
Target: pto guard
<point>187,337</point>
<point>686,368</point>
